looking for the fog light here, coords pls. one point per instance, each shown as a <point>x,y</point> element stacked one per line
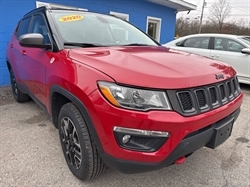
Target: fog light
<point>139,139</point>
<point>126,138</point>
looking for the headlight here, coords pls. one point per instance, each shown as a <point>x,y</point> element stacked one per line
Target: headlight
<point>133,98</point>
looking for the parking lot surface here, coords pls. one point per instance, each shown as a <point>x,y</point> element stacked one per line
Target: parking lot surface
<point>30,154</point>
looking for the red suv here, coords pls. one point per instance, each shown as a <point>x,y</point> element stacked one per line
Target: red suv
<point>117,96</point>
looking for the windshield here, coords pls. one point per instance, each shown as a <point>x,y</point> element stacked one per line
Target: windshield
<point>246,40</point>
<point>97,29</point>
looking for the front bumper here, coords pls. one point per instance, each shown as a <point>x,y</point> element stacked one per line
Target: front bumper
<point>105,117</point>
<point>192,142</point>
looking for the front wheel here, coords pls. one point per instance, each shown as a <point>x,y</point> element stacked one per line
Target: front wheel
<point>77,144</point>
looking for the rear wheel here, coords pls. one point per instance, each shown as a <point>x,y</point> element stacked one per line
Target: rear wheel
<point>77,144</point>
<point>18,95</point>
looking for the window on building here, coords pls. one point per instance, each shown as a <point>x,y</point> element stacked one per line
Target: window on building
<point>52,5</point>
<point>154,27</point>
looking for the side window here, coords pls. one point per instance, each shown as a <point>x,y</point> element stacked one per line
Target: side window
<point>197,42</point>
<point>38,25</point>
<point>17,27</point>
<point>225,44</point>
<point>24,27</point>
<point>179,44</point>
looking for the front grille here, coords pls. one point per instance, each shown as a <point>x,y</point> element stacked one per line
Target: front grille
<point>213,95</point>
<point>186,101</point>
<point>229,88</point>
<point>234,86</point>
<point>222,92</point>
<point>201,99</point>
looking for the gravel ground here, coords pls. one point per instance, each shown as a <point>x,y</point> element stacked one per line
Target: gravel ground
<point>30,155</point>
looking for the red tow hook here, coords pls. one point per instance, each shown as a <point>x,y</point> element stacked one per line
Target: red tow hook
<point>180,160</point>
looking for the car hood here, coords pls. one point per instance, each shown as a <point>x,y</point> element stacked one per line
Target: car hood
<point>153,67</point>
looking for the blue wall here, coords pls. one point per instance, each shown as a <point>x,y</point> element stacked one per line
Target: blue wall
<point>11,11</point>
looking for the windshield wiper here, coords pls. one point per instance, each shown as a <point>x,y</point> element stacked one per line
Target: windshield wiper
<point>136,44</point>
<point>83,44</point>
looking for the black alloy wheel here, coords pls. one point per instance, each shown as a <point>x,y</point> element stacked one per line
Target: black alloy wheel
<point>70,142</point>
<point>78,145</point>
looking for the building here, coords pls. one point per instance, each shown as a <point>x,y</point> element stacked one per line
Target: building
<point>156,17</point>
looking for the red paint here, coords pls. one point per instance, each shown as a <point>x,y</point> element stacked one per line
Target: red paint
<point>180,160</point>
<point>78,71</point>
<point>153,67</point>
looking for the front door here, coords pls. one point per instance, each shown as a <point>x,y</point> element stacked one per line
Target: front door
<point>35,60</point>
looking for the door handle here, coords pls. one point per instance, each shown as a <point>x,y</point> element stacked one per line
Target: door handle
<point>216,56</point>
<point>24,52</point>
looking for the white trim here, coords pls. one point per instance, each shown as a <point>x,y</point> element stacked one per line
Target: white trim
<point>158,29</point>
<point>120,15</point>
<point>184,4</point>
<point>178,5</point>
<point>50,5</point>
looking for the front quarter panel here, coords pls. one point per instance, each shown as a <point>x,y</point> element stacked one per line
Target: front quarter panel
<point>75,77</point>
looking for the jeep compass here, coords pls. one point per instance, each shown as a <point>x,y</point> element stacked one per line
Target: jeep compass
<point>118,98</point>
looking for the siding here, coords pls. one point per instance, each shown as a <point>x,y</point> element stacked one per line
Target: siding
<point>138,10</point>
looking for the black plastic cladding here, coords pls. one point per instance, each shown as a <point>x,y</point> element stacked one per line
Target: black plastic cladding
<point>197,100</point>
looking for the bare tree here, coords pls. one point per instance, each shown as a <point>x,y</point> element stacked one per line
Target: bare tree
<point>186,26</point>
<point>219,11</point>
<point>181,26</point>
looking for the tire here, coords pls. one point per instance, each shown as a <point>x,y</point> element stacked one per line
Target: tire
<point>77,144</point>
<point>18,95</point>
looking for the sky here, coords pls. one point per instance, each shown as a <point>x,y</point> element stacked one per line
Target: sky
<point>240,10</point>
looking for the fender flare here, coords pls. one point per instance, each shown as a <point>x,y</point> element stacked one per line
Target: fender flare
<point>82,109</point>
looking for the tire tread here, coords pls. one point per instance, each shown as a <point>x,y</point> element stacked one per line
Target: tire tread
<point>95,164</point>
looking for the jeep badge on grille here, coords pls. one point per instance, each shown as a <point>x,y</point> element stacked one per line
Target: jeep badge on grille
<point>219,76</point>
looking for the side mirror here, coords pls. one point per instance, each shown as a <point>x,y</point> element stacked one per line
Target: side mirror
<point>245,51</point>
<point>34,40</point>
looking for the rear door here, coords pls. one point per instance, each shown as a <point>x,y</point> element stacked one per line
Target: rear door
<point>17,51</point>
<point>229,51</point>
<point>196,45</point>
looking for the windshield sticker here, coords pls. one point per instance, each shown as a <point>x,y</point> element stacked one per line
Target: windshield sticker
<point>70,18</point>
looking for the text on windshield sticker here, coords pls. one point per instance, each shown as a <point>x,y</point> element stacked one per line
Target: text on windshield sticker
<point>70,18</point>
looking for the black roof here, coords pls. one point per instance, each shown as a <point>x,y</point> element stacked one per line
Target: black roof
<point>43,9</point>
<point>37,10</point>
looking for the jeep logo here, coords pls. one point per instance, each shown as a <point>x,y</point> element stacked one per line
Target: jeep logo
<point>219,76</point>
